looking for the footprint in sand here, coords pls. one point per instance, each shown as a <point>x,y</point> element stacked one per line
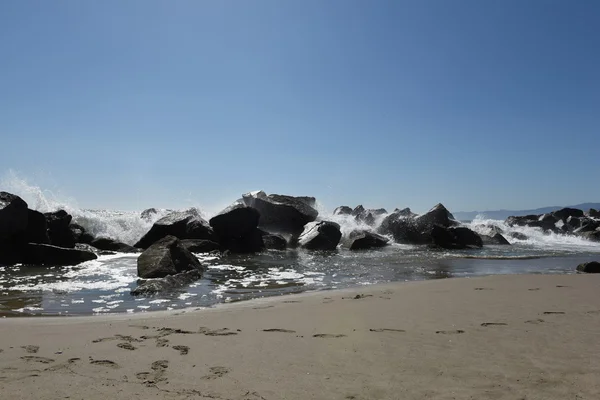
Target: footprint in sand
<point>292,301</point>
<point>31,348</point>
<point>73,360</point>
<point>385,298</point>
<point>358,297</point>
<point>162,342</point>
<point>534,321</point>
<point>278,330</point>
<point>562,286</point>
<point>216,372</point>
<point>534,289</point>
<point>483,288</point>
<point>553,312</point>
<point>327,301</point>
<point>105,363</point>
<point>160,365</point>
<point>42,360</point>
<point>262,307</point>
<point>593,312</point>
<point>216,332</point>
<point>493,324</point>
<point>455,332</point>
<point>183,350</point>
<point>328,335</point>
<point>387,330</point>
<point>126,346</point>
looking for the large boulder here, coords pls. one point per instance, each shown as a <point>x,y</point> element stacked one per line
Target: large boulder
<point>455,237</point>
<point>405,212</point>
<point>416,230</point>
<point>362,239</point>
<point>324,235</point>
<point>521,220</point>
<point>565,213</point>
<point>573,223</point>
<point>281,214</point>
<point>368,216</point>
<point>200,245</point>
<point>13,216</point>
<point>112,245</point>
<point>587,225</point>
<point>80,235</point>
<point>342,210</point>
<point>166,256</point>
<point>438,215</point>
<point>236,229</point>
<point>594,213</point>
<point>58,229</point>
<point>186,224</point>
<point>45,254</point>
<point>518,236</point>
<point>592,267</point>
<point>148,213</point>
<point>169,282</point>
<point>37,228</point>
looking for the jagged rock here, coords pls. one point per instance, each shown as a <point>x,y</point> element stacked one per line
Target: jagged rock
<point>45,254</point>
<point>342,210</point>
<point>169,282</point>
<point>416,230</point>
<point>281,214</point>
<point>592,267</point>
<point>594,213</point>
<point>324,235</point>
<point>59,231</point>
<point>186,224</point>
<point>362,239</point>
<point>367,216</point>
<point>200,246</point>
<point>518,236</point>
<point>521,220</point>
<point>79,234</point>
<point>405,212</point>
<point>587,225</point>
<point>573,222</point>
<point>565,213</point>
<point>112,245</point>
<point>438,215</point>
<point>165,257</point>
<point>274,241</point>
<point>92,249</point>
<point>13,216</point>
<point>548,218</point>
<point>495,239</point>
<point>455,237</point>
<point>37,228</point>
<point>148,213</point>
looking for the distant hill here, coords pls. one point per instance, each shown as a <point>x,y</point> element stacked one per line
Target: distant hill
<point>503,214</point>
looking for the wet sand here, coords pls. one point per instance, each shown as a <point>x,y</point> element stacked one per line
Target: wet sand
<point>500,337</point>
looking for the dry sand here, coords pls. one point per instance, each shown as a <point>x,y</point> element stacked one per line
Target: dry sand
<point>501,337</point>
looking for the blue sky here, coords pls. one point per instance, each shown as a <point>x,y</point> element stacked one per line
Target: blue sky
<point>132,104</point>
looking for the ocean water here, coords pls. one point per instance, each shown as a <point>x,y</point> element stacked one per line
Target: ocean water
<point>102,286</point>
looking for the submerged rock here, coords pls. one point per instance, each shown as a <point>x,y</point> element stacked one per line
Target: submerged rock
<point>281,214</point>
<point>494,239</point>
<point>274,241</point>
<point>165,257</point>
<point>518,236</point>
<point>112,245</point>
<point>455,237</point>
<point>592,267</point>
<point>324,235</point>
<point>45,254</point>
<point>362,239</point>
<point>169,282</point>
<point>186,224</point>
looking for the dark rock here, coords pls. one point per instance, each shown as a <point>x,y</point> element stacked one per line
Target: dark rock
<point>403,229</point>
<point>548,218</point>
<point>593,236</point>
<point>362,239</point>
<point>281,214</point>
<point>405,212</point>
<point>200,246</point>
<point>342,210</point>
<point>165,257</point>
<point>592,267</point>
<point>359,209</point>
<point>112,245</point>
<point>148,213</point>
<point>573,222</point>
<point>79,234</point>
<point>186,224</point>
<point>565,213</point>
<point>495,239</point>
<point>236,228</point>
<point>368,216</point>
<point>308,200</point>
<point>169,282</point>
<point>45,254</point>
<point>594,213</point>
<point>322,235</point>
<point>455,237</point>
<point>274,242</point>
<point>588,225</point>
<point>521,220</point>
<point>37,228</point>
<point>13,216</point>
<point>92,249</point>
<point>518,236</point>
<point>58,229</point>
<point>438,215</point>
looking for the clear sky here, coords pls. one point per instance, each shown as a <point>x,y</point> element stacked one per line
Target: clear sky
<point>476,104</point>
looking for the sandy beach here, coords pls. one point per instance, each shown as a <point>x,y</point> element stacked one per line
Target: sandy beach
<point>501,337</point>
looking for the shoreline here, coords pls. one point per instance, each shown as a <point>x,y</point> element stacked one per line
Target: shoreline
<point>499,336</point>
